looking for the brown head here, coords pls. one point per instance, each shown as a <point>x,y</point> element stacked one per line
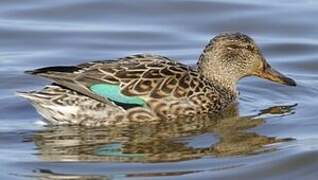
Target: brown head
<point>231,56</point>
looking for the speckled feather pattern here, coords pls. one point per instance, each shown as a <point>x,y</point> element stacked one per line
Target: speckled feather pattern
<point>170,90</point>
<point>166,88</point>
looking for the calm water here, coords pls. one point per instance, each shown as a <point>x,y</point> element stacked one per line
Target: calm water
<point>274,133</point>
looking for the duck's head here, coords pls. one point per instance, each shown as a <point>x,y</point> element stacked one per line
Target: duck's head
<point>231,56</point>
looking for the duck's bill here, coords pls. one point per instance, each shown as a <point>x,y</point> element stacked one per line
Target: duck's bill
<point>273,75</point>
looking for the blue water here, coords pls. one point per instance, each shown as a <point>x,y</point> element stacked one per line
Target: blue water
<point>272,136</point>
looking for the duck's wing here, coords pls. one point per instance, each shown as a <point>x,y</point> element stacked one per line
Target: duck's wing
<point>132,80</point>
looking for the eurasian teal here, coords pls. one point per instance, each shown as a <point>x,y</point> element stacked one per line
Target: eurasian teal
<point>143,88</point>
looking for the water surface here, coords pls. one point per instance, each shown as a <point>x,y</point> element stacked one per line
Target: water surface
<point>273,134</point>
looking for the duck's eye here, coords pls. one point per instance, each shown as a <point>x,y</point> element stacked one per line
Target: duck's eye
<point>265,66</point>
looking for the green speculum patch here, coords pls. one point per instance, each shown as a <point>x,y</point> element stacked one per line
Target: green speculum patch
<point>113,93</point>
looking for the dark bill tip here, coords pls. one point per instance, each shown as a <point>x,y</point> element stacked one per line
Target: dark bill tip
<point>289,82</point>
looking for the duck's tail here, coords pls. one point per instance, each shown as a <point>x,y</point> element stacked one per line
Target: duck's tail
<point>50,109</point>
<point>59,105</point>
<point>33,96</point>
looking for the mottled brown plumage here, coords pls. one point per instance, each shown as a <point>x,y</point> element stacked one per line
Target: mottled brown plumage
<point>168,88</point>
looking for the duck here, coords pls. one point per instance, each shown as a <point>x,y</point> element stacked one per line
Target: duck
<point>144,88</point>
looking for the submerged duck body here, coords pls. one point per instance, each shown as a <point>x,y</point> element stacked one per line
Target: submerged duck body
<point>142,88</point>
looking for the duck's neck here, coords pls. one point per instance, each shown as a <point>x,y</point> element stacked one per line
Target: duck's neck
<point>217,73</point>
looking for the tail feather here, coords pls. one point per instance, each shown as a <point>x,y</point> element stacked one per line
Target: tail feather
<point>28,95</point>
<point>59,105</point>
<point>51,112</point>
<point>33,96</point>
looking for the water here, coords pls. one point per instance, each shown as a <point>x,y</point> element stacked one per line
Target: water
<point>274,134</point>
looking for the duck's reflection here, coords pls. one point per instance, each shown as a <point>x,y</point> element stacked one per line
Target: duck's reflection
<point>165,141</point>
<point>45,174</point>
